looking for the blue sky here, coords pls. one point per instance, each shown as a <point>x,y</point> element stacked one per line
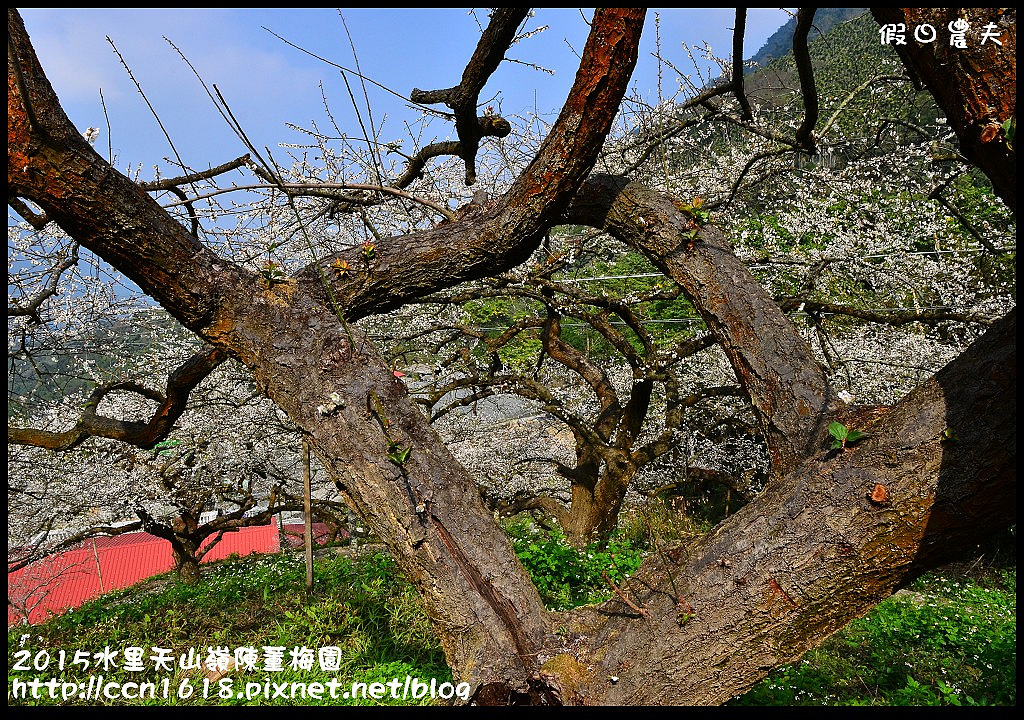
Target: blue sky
<point>269,84</point>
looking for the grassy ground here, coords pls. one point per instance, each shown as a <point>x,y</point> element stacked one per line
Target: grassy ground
<point>360,606</point>
<point>950,639</point>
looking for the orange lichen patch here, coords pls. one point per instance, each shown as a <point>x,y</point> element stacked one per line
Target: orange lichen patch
<point>990,132</point>
<point>221,332</point>
<point>280,292</point>
<point>879,495</point>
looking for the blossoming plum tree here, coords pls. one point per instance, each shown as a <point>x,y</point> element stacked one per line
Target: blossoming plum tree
<point>819,546</point>
<point>857,242</point>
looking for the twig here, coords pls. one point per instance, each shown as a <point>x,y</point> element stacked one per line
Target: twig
<point>639,610</point>
<point>374,150</point>
<point>359,75</point>
<point>181,163</point>
<point>110,140</point>
<point>32,308</point>
<point>304,189</point>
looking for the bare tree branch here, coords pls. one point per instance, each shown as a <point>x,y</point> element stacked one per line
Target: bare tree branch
<point>737,63</point>
<point>172,403</point>
<point>170,183</point>
<point>31,308</point>
<point>462,99</point>
<point>891,316</point>
<point>36,220</point>
<point>802,58</point>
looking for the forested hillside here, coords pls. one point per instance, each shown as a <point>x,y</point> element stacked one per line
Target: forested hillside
<point>780,43</point>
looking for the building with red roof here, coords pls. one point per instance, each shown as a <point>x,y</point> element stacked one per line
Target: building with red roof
<point>66,580</point>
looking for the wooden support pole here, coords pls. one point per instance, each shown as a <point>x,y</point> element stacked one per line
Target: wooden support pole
<point>307,511</point>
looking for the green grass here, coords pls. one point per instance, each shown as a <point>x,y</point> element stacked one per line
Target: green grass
<point>567,577</point>
<point>364,607</point>
<point>951,640</point>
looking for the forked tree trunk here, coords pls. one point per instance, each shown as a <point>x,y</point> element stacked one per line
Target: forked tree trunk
<point>832,535</point>
<point>820,547</point>
<point>593,511</point>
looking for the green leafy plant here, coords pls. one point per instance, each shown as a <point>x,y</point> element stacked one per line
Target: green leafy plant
<point>273,273</point>
<point>843,436</point>
<point>1010,130</point>
<point>951,640</point>
<point>398,454</point>
<point>567,577</point>
<point>694,209</point>
<point>164,446</point>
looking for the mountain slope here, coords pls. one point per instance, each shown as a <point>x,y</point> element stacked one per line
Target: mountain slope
<point>781,41</point>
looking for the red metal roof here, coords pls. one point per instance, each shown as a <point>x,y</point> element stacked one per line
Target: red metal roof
<point>294,535</point>
<point>259,539</point>
<point>67,580</point>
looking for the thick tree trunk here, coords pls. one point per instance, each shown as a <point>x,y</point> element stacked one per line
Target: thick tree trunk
<point>594,509</point>
<point>185,542</point>
<point>186,565</point>
<point>811,554</point>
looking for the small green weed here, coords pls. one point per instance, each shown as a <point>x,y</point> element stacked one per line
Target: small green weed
<point>843,436</point>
